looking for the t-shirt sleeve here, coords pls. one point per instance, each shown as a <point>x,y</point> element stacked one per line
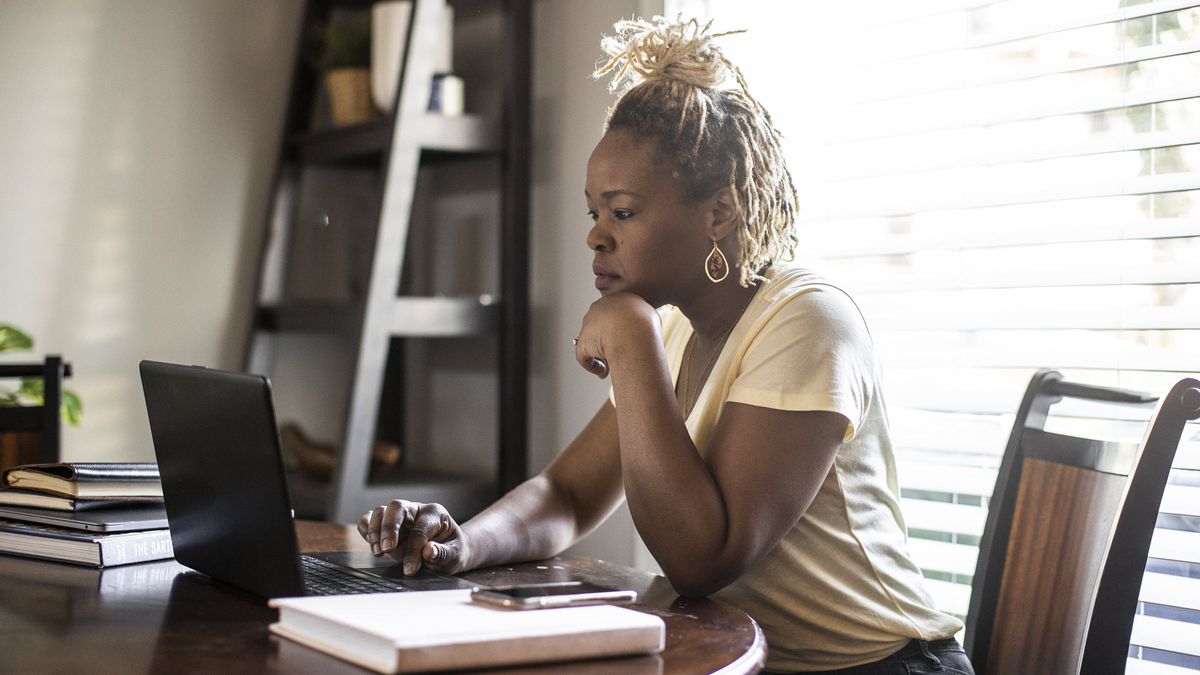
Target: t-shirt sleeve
<point>813,353</point>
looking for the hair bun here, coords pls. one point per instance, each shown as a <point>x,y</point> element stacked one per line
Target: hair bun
<point>643,50</point>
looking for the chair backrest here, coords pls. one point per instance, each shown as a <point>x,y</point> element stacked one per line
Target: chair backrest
<point>32,433</point>
<point>1067,534</point>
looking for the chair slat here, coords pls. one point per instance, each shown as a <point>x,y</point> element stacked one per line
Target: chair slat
<point>1053,559</point>
<point>1085,453</point>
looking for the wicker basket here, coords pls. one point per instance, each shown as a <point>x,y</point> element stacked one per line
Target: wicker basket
<point>349,96</point>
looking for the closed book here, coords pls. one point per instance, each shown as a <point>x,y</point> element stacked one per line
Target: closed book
<point>44,500</point>
<point>87,480</point>
<point>444,630</point>
<point>95,549</point>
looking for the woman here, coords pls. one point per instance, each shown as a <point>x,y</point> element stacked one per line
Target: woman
<point>745,426</point>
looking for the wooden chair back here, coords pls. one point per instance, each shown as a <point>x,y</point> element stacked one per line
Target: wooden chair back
<point>1067,535</point>
<point>31,434</point>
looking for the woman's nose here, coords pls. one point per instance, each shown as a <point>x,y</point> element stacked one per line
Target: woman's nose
<point>598,239</point>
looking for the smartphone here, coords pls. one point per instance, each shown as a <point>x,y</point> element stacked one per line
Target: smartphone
<point>556,594</point>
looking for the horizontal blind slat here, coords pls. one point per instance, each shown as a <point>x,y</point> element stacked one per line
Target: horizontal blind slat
<point>1175,545</point>
<point>840,202</point>
<point>1182,501</point>
<point>885,85</point>
<point>943,556</point>
<point>942,517</point>
<point>976,235</point>
<point>949,596</point>
<point>944,477</point>
<point>1170,591</point>
<point>1140,667</point>
<point>865,122</point>
<point>1167,635</point>
<point>1043,22</point>
<point>956,156</point>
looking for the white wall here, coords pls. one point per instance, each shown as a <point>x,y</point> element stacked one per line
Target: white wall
<point>569,111</point>
<point>137,138</point>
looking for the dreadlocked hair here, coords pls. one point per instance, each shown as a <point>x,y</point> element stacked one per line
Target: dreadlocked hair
<point>674,86</point>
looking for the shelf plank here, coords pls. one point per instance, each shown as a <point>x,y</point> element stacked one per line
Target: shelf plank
<point>441,135</point>
<point>443,317</point>
<point>471,134</point>
<point>410,316</point>
<point>308,317</point>
<point>357,142</point>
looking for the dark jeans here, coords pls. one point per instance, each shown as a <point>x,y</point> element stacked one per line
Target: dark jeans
<point>945,657</point>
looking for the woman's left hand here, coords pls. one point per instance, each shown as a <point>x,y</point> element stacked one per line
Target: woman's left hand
<point>609,325</point>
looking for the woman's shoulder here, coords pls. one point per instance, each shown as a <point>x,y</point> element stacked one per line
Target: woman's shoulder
<point>786,284</point>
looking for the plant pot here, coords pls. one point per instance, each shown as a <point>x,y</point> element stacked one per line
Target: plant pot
<point>349,96</point>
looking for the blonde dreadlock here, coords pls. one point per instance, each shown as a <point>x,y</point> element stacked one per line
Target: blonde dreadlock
<point>674,88</point>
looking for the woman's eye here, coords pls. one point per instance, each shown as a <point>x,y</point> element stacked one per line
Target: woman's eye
<point>622,214</point>
<point>593,214</point>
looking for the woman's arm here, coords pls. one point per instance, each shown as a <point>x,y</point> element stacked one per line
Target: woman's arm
<point>536,520</point>
<point>705,521</point>
<point>551,511</point>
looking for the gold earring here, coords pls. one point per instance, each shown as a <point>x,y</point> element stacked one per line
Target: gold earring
<point>715,265</point>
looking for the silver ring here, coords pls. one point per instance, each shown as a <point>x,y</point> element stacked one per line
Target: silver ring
<point>575,340</point>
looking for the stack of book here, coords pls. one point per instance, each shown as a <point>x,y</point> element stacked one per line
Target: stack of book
<point>97,514</point>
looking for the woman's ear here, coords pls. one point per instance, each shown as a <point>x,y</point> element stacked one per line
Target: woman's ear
<point>725,215</point>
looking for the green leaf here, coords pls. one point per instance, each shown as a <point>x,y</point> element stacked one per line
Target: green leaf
<point>13,339</point>
<point>72,408</point>
<point>31,391</point>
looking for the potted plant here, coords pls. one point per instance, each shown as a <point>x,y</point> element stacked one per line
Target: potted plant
<point>343,55</point>
<point>19,445</point>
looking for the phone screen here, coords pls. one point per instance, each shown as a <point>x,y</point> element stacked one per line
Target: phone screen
<point>560,588</point>
<point>558,594</point>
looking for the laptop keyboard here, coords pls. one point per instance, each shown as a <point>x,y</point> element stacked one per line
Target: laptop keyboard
<point>325,578</point>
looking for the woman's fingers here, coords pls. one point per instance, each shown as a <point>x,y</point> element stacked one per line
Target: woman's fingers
<point>414,534</point>
<point>431,523</point>
<point>388,526</point>
<point>372,519</point>
<point>584,356</point>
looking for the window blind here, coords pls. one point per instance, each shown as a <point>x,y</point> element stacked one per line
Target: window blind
<point>1002,185</point>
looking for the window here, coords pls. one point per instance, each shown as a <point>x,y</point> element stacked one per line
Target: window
<point>1003,185</point>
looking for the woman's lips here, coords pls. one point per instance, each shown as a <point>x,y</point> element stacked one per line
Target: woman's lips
<point>604,277</point>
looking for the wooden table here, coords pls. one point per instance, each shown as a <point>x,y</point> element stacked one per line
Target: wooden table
<point>163,617</point>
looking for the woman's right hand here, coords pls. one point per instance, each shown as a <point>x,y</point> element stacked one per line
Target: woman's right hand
<point>415,534</point>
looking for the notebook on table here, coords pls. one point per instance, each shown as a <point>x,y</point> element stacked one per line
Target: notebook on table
<point>225,491</point>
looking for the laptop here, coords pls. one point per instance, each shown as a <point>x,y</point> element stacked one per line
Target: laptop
<point>100,520</point>
<point>226,495</point>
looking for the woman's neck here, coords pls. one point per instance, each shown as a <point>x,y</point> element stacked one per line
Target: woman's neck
<point>714,311</point>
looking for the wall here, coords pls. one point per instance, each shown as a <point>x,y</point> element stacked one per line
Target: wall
<point>569,110</point>
<point>137,139</point>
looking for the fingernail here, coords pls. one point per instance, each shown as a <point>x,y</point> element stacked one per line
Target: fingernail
<point>410,567</point>
<point>385,544</point>
<point>375,549</point>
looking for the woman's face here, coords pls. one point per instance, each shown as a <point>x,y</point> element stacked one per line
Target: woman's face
<point>647,238</point>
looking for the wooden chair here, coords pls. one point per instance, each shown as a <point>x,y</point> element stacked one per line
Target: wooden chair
<point>33,433</point>
<point>1068,533</point>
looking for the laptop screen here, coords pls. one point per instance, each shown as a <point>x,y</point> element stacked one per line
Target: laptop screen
<point>222,475</point>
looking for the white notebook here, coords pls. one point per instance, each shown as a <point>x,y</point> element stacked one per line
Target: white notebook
<point>444,630</point>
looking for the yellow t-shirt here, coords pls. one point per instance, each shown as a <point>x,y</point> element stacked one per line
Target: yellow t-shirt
<point>839,589</point>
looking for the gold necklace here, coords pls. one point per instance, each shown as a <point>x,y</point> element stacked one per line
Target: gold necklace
<point>689,399</point>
